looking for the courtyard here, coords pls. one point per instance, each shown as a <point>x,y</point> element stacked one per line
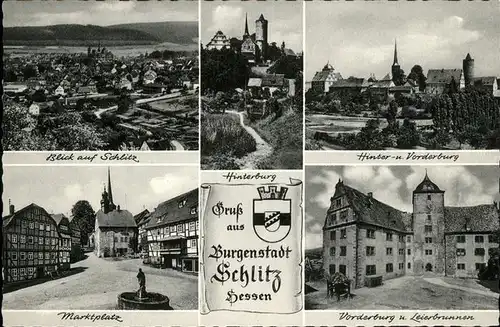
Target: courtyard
<point>97,283</point>
<point>410,293</point>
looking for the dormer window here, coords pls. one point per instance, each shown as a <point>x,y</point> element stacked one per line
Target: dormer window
<point>182,203</point>
<point>338,202</point>
<point>193,210</point>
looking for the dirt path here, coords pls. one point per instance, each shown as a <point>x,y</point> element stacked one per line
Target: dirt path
<point>440,282</point>
<point>263,149</point>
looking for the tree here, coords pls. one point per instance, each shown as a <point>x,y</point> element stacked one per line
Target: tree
<point>392,112</point>
<point>29,71</point>
<point>408,135</point>
<point>84,217</point>
<point>417,74</point>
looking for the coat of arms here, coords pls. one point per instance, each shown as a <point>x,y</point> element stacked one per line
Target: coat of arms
<point>272,214</point>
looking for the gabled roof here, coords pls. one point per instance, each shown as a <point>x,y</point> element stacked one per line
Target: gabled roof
<point>58,217</point>
<point>480,218</point>
<point>169,212</point>
<point>324,74</point>
<point>6,220</point>
<point>115,218</point>
<point>371,211</point>
<point>443,76</point>
<point>141,216</point>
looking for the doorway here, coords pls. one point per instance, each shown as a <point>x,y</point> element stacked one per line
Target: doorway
<point>428,267</point>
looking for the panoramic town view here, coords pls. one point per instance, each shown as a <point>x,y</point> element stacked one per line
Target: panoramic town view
<point>251,84</point>
<point>402,237</point>
<point>100,76</point>
<point>101,239</point>
<point>428,80</point>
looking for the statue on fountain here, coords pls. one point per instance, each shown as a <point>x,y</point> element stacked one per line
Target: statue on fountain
<point>141,278</point>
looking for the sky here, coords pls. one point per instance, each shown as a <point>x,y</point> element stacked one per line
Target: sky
<point>58,188</point>
<point>284,20</point>
<point>393,185</point>
<point>109,12</point>
<point>357,37</point>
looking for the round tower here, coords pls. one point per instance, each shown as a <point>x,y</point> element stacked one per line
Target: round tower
<point>468,66</point>
<point>261,35</point>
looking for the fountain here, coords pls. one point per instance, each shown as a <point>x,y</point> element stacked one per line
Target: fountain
<point>142,300</point>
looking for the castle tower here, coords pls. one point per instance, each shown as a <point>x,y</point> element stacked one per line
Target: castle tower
<point>428,228</point>
<point>468,66</point>
<point>261,35</point>
<point>395,64</point>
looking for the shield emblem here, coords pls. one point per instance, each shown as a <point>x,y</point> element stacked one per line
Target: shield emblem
<point>272,219</point>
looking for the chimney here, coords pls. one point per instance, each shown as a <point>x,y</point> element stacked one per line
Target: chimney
<point>118,208</point>
<point>370,195</point>
<point>11,208</point>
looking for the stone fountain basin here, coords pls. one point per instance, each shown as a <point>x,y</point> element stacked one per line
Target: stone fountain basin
<point>154,301</point>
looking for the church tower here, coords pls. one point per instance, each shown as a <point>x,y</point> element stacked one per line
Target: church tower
<point>107,203</point>
<point>468,66</point>
<point>395,64</point>
<point>246,35</point>
<point>261,35</point>
<point>428,229</point>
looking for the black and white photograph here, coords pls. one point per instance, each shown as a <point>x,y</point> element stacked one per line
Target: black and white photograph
<point>411,75</point>
<point>98,238</point>
<point>106,75</point>
<point>402,237</point>
<point>251,85</point>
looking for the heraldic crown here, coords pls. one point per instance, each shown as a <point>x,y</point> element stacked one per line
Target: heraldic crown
<point>272,193</point>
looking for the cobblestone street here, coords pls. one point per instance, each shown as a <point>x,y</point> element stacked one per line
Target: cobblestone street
<point>100,282</point>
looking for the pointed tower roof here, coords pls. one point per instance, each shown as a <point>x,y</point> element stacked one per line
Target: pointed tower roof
<point>261,18</point>
<point>468,57</point>
<point>427,186</point>
<point>110,192</point>
<point>395,53</point>
<point>246,25</point>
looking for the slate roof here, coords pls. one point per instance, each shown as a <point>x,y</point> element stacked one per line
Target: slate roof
<point>115,218</point>
<point>168,212</point>
<point>427,186</point>
<point>443,76</point>
<point>480,218</point>
<point>371,211</point>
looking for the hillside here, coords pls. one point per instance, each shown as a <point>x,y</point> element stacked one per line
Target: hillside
<point>74,34</point>
<point>314,253</point>
<point>172,32</point>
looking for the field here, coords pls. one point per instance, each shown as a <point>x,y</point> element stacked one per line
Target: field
<point>334,125</point>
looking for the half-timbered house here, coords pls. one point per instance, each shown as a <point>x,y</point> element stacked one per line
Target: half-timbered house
<point>30,244</point>
<point>172,233</point>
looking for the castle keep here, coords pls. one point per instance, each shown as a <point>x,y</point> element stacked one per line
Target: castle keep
<point>365,238</point>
